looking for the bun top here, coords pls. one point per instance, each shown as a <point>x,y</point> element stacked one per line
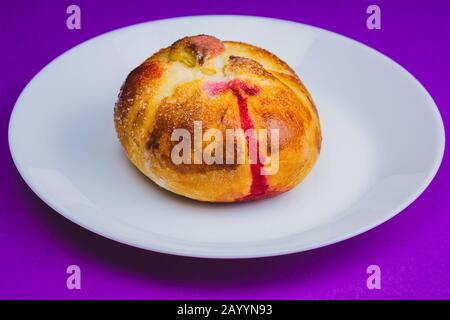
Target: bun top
<point>214,57</point>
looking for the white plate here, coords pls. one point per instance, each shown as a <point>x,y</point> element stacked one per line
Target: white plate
<point>383,141</point>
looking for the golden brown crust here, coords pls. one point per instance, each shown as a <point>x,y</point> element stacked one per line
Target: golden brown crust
<point>225,85</point>
<point>268,59</point>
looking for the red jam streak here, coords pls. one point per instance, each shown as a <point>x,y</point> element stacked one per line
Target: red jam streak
<point>259,186</point>
<point>206,46</point>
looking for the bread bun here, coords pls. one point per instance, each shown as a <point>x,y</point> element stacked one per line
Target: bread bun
<point>201,83</point>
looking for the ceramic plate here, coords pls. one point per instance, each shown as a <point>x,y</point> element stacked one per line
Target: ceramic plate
<point>383,141</point>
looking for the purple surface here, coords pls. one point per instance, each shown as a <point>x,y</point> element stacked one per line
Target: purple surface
<point>37,244</point>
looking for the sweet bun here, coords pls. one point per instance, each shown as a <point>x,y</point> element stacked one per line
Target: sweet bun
<point>201,83</point>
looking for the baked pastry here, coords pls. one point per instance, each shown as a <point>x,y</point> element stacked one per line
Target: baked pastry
<point>207,88</point>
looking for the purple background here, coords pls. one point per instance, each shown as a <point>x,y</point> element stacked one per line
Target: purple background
<point>37,244</point>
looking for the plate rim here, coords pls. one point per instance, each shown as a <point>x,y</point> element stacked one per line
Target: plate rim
<point>195,251</point>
